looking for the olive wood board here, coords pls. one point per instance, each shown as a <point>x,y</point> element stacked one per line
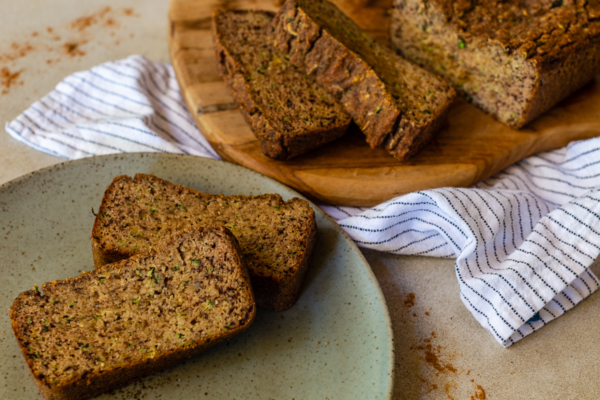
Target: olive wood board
<point>470,148</point>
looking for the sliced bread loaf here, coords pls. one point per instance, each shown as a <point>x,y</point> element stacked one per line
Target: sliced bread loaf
<point>513,59</point>
<point>276,237</point>
<point>396,103</point>
<point>89,335</point>
<point>287,110</point>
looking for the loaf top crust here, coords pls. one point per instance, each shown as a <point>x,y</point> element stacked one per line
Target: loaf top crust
<point>543,30</point>
<point>138,213</point>
<point>190,291</point>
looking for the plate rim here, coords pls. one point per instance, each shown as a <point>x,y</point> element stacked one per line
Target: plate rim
<point>354,248</point>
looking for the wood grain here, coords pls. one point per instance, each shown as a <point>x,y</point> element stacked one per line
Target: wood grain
<point>471,147</point>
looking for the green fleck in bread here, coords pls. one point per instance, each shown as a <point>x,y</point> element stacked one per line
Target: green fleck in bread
<point>395,103</point>
<point>513,59</point>
<point>89,335</point>
<point>276,237</point>
<point>287,110</point>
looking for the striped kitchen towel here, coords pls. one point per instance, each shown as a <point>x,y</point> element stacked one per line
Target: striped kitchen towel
<point>523,240</point>
<point>132,105</point>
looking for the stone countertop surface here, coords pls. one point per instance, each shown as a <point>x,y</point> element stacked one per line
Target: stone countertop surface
<point>441,351</point>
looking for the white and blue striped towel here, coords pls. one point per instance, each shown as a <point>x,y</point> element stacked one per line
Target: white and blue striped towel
<point>522,240</point>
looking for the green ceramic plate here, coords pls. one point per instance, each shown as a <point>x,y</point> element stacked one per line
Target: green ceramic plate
<point>335,343</point>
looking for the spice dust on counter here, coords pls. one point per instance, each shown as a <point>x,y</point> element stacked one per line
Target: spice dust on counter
<point>8,79</point>
<point>432,357</point>
<point>73,50</point>
<point>479,393</point>
<point>82,23</point>
<point>410,300</point>
<point>449,392</point>
<point>101,28</point>
<point>440,369</point>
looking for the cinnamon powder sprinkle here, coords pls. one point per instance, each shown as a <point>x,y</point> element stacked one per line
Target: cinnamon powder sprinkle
<point>73,49</point>
<point>82,23</point>
<point>447,389</point>
<point>130,12</point>
<point>479,393</point>
<point>410,300</point>
<point>431,354</point>
<point>8,79</point>
<point>440,360</point>
<point>76,34</point>
<point>17,50</point>
<point>110,23</point>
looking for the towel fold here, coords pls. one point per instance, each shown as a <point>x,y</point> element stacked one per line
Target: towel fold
<point>132,105</point>
<point>523,240</point>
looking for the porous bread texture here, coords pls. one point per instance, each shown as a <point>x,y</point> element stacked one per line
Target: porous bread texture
<point>396,103</point>
<point>89,335</point>
<point>287,110</point>
<point>276,237</point>
<point>513,59</point>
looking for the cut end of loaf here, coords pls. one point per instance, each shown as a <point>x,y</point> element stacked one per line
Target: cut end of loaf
<point>488,77</point>
<point>152,309</point>
<point>287,110</point>
<point>513,60</point>
<point>392,100</point>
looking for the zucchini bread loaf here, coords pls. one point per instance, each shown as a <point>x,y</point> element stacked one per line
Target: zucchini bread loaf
<point>394,102</point>
<point>514,59</point>
<point>288,111</point>
<point>89,335</point>
<point>276,237</point>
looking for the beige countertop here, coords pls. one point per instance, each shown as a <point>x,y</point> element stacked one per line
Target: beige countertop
<point>441,351</point>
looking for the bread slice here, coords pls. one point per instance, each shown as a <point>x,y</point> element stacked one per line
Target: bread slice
<point>276,237</point>
<point>89,335</point>
<point>513,59</point>
<point>288,111</point>
<point>395,103</point>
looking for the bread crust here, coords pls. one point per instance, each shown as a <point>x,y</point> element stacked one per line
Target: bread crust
<point>561,75</point>
<point>94,384</point>
<point>338,69</point>
<point>416,137</point>
<point>275,143</point>
<point>276,293</point>
<point>280,295</point>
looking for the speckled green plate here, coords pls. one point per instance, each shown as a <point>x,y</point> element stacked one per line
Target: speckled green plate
<point>335,343</point>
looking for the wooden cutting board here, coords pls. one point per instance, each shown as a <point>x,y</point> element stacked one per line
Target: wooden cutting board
<point>471,147</point>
